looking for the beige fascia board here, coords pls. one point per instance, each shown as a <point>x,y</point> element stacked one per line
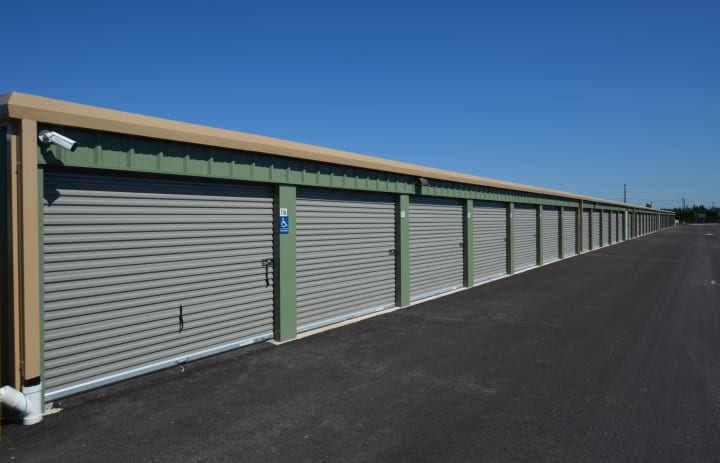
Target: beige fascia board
<point>47,110</point>
<point>16,284</point>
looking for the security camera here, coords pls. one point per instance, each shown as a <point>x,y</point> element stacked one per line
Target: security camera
<point>47,137</point>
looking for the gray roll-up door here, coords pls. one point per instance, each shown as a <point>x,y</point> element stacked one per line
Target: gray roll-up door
<point>525,235</point>
<point>643,224</point>
<point>489,240</point>
<point>595,229</point>
<point>345,255</point>
<point>436,246</point>
<point>569,231</point>
<point>635,225</point>
<point>614,229</point>
<point>141,274</point>
<point>605,228</point>
<point>587,229</point>
<point>551,234</point>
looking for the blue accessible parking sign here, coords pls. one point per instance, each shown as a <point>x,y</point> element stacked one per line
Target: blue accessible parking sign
<point>284,222</point>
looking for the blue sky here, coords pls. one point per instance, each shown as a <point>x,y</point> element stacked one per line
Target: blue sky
<point>581,96</point>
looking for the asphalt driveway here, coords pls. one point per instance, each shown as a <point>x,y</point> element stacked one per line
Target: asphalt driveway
<point>613,355</point>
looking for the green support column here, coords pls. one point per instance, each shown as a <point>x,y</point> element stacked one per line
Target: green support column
<point>510,238</point>
<point>539,234</point>
<point>402,250</point>
<point>41,269</point>
<point>600,238</point>
<point>284,267</point>
<point>468,243</point>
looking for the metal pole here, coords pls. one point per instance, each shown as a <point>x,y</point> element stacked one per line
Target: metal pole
<point>625,194</point>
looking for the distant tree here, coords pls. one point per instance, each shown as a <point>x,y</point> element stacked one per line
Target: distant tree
<point>690,215</point>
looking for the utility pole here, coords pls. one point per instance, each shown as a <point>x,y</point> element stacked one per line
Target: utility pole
<point>683,203</point>
<point>625,193</point>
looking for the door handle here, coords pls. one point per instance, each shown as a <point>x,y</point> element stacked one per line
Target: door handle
<point>267,263</point>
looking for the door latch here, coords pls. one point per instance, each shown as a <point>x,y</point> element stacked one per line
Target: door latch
<point>267,263</point>
<point>181,320</point>
<point>391,252</point>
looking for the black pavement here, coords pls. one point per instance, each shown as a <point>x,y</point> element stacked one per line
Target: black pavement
<point>613,356</point>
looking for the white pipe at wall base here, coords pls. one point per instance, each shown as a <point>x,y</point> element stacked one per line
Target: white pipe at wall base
<point>28,402</point>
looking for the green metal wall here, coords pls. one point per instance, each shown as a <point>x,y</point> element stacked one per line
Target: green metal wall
<point>108,151</point>
<point>114,152</point>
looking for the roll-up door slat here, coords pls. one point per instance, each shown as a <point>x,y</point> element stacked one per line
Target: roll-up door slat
<point>344,264</point>
<point>436,252</point>
<point>525,224</point>
<point>122,255</point>
<point>489,240</point>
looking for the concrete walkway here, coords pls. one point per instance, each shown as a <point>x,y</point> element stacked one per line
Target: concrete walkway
<point>613,355</point>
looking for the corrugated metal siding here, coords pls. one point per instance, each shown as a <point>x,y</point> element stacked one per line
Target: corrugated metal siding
<point>596,229</point>
<point>436,246</point>
<point>345,263</point>
<point>586,230</point>
<point>551,234</point>
<point>569,231</point>
<point>123,255</point>
<point>489,240</point>
<point>525,224</point>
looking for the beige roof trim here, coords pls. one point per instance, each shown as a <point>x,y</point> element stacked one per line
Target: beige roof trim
<point>23,106</point>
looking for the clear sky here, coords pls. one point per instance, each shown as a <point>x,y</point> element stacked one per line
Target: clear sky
<point>581,96</point>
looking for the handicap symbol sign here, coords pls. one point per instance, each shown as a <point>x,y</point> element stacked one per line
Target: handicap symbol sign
<point>284,224</point>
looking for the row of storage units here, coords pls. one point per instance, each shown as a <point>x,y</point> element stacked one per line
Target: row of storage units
<point>142,273</point>
<point>157,251</point>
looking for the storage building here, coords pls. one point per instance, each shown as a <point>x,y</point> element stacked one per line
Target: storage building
<point>152,242</point>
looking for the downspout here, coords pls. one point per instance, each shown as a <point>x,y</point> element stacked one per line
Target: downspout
<point>28,402</point>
